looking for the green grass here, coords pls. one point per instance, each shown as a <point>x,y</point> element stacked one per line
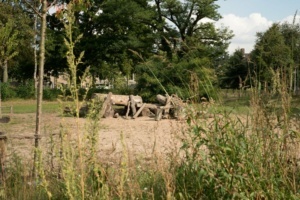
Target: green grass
<point>29,106</point>
<point>235,104</point>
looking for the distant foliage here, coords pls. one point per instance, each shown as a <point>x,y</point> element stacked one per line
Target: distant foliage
<point>190,77</point>
<point>7,92</point>
<point>26,91</point>
<point>51,94</point>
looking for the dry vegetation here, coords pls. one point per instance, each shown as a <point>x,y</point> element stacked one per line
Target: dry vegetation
<point>224,156</point>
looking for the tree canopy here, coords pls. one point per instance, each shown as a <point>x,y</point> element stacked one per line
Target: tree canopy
<point>15,36</point>
<point>167,44</point>
<point>270,54</point>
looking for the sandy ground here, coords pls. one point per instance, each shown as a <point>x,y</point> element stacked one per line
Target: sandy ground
<point>141,138</point>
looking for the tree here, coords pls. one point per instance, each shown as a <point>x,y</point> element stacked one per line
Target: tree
<point>190,49</point>
<point>178,21</point>
<point>236,71</point>
<point>8,40</point>
<point>270,54</point>
<point>55,51</point>
<point>111,30</point>
<point>291,34</point>
<point>15,39</point>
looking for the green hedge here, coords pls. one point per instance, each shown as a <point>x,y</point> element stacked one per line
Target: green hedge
<point>26,91</point>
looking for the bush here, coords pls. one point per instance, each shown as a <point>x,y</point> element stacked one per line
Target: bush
<point>6,91</point>
<point>26,91</point>
<point>51,94</point>
<point>82,93</point>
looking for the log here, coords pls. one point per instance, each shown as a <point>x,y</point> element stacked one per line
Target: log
<point>161,99</point>
<point>150,110</point>
<point>106,105</point>
<point>166,102</point>
<point>139,111</point>
<point>165,107</point>
<point>109,112</point>
<point>152,106</point>
<point>146,112</point>
<point>158,114</point>
<point>121,100</point>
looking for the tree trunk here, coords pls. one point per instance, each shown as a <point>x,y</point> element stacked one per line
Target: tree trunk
<point>5,72</point>
<point>35,56</point>
<point>40,83</point>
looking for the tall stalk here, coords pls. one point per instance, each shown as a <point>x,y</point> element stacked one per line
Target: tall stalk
<point>73,62</point>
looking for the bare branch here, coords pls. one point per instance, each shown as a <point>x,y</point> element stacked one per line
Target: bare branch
<point>33,8</point>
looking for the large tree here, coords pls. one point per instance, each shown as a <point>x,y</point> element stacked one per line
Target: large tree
<point>270,54</point>
<point>112,29</point>
<point>179,21</point>
<point>191,46</point>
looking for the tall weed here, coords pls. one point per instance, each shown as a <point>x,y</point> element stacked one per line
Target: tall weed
<point>242,157</point>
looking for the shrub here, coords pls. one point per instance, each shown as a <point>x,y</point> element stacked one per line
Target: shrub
<point>51,94</point>
<point>26,91</point>
<point>6,91</point>
<point>81,92</point>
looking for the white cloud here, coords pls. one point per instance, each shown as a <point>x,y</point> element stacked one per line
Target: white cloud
<point>290,19</point>
<point>244,29</point>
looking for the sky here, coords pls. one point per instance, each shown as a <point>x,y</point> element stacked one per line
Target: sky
<point>247,17</point>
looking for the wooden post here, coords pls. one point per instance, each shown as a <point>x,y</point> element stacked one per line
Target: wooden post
<point>128,109</point>
<point>132,104</point>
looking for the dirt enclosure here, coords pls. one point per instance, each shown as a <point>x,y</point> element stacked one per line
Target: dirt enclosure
<point>140,138</point>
